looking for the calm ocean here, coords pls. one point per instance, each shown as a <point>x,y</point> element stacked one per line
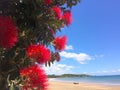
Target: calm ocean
<point>107,80</point>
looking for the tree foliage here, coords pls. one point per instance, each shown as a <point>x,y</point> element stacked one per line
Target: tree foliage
<point>28,37</point>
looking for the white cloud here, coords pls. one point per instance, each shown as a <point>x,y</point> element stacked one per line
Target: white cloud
<point>85,73</point>
<point>58,69</point>
<point>118,70</point>
<point>80,57</point>
<point>106,72</point>
<point>99,56</point>
<point>97,72</point>
<point>68,47</point>
<point>114,71</point>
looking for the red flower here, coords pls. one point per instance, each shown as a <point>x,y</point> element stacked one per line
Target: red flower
<point>60,43</point>
<point>39,53</point>
<point>57,12</point>
<point>48,2</point>
<point>34,78</point>
<point>8,32</point>
<point>67,17</point>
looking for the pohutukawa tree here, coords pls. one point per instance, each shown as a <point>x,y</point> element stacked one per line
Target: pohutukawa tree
<point>28,40</point>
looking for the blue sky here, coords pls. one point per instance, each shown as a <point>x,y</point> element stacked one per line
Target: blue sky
<point>93,40</point>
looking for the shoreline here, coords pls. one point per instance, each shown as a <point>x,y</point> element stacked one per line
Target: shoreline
<point>84,82</point>
<point>59,85</point>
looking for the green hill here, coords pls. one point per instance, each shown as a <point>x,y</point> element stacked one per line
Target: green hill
<point>68,75</point>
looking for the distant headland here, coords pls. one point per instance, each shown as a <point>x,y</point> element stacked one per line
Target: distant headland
<point>68,75</point>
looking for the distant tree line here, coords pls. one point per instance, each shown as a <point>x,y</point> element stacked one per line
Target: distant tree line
<point>68,75</point>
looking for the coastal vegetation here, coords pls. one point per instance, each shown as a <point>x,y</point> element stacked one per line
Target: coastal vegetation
<point>68,75</point>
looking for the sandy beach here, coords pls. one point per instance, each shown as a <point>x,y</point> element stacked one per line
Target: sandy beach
<point>55,85</point>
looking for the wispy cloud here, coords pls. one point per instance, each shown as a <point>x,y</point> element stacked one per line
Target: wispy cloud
<point>68,47</point>
<point>99,56</point>
<point>106,72</point>
<point>58,69</point>
<point>118,70</point>
<point>80,57</point>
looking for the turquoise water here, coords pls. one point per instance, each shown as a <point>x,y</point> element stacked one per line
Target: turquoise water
<point>108,80</point>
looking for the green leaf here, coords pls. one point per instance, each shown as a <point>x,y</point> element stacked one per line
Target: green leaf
<point>12,87</point>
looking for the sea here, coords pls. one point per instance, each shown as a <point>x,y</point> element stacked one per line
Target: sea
<point>106,80</point>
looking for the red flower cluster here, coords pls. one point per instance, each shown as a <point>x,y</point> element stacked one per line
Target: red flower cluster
<point>38,52</point>
<point>48,2</point>
<point>34,78</point>
<point>60,43</point>
<point>8,32</point>
<point>57,11</point>
<point>67,17</point>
